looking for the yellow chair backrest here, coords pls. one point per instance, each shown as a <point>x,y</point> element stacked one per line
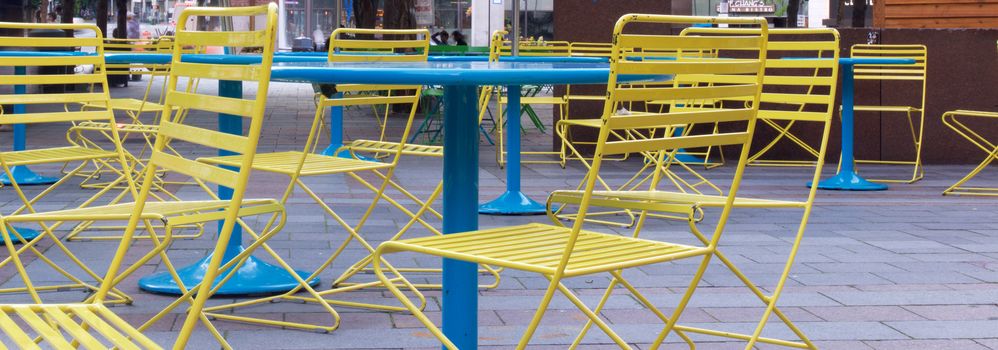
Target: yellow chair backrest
<point>736,79</point>
<point>172,131</point>
<point>892,71</point>
<point>138,46</point>
<point>590,49</point>
<point>801,71</point>
<point>360,49</point>
<point>495,45</point>
<point>548,48</point>
<point>31,83</point>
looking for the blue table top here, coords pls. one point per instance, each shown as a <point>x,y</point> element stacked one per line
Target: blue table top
<point>874,60</point>
<point>448,73</point>
<point>160,58</point>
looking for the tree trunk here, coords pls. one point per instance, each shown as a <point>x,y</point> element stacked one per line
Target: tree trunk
<point>121,10</point>
<point>43,11</point>
<point>793,8</point>
<point>365,15</point>
<point>102,16</point>
<point>858,13</point>
<point>68,11</point>
<point>400,14</point>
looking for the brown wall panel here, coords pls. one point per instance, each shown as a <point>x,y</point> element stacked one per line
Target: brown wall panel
<point>962,74</point>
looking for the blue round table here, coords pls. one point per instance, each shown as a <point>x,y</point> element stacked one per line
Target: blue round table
<point>847,179</point>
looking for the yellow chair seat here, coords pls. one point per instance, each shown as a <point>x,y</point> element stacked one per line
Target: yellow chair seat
<point>530,100</point>
<point>131,105</point>
<point>93,326</point>
<point>700,200</point>
<point>539,247</point>
<point>287,163</point>
<point>407,149</point>
<point>886,108</point>
<point>122,127</point>
<point>152,210</point>
<point>55,155</point>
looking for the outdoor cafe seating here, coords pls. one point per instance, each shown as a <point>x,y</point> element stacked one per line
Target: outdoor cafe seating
<point>641,188</point>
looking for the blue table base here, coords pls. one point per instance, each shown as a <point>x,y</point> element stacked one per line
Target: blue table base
<point>253,277</point>
<point>27,233</point>
<point>25,177</point>
<point>512,203</point>
<point>849,181</point>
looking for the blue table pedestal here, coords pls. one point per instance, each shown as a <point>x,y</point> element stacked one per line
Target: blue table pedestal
<point>253,277</point>
<point>27,233</point>
<point>336,134</point>
<point>848,181</point>
<point>513,201</point>
<point>688,159</point>
<point>25,177</point>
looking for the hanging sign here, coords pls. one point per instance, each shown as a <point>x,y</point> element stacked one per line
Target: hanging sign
<point>424,13</point>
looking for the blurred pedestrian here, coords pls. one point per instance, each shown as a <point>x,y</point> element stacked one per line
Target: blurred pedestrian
<point>459,38</point>
<point>441,37</point>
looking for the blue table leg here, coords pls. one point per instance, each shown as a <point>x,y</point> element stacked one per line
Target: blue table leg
<point>460,279</point>
<point>336,132</point>
<point>22,175</point>
<point>847,179</point>
<point>513,201</point>
<point>253,277</point>
<point>681,153</point>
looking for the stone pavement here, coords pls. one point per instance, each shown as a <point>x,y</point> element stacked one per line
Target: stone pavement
<point>901,269</point>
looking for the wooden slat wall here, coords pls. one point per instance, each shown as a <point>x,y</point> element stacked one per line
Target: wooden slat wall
<point>936,13</point>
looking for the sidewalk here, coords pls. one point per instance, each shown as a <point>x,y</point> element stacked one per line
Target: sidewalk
<point>905,268</point>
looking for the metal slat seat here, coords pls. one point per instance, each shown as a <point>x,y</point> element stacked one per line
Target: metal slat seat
<point>131,105</point>
<point>71,322</point>
<point>152,210</point>
<point>287,163</point>
<point>408,149</point>
<point>539,248</point>
<point>55,155</point>
<point>122,127</point>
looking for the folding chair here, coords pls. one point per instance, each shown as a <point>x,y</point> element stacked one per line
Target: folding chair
<point>529,98</point>
<point>677,172</point>
<point>896,75</point>
<point>426,207</point>
<point>780,111</point>
<point>47,108</point>
<point>810,77</point>
<point>91,133</point>
<point>956,120</point>
<point>315,164</point>
<point>93,325</point>
<point>557,252</point>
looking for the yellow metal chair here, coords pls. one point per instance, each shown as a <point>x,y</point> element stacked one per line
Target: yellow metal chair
<point>368,146</point>
<point>956,120</point>
<point>895,75</point>
<point>676,172</point>
<point>315,164</point>
<point>47,108</point>
<point>531,49</point>
<point>786,83</point>
<point>93,325</point>
<point>557,252</point>
<point>808,99</point>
